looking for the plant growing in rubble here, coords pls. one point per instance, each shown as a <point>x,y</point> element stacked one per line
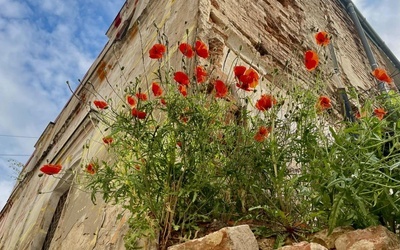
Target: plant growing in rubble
<point>183,150</point>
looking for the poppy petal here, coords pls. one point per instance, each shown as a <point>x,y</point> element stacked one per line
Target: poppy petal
<point>186,50</point>
<point>181,78</point>
<point>322,38</point>
<point>265,102</point>
<point>156,89</point>
<point>201,49</point>
<point>311,60</point>
<point>100,104</point>
<point>157,51</point>
<point>220,88</point>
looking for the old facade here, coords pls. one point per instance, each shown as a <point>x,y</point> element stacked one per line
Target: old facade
<point>46,212</point>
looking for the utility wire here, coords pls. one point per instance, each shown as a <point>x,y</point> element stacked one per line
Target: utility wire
<point>3,155</point>
<point>19,136</point>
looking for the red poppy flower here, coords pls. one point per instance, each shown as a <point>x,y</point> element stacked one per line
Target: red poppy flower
<point>382,75</point>
<point>322,38</point>
<point>183,90</point>
<point>138,114</point>
<point>157,51</point>
<point>157,90</point>
<point>239,71</point>
<point>163,101</point>
<point>262,134</point>
<point>186,50</point>
<point>201,49</point>
<point>323,103</point>
<point>220,88</point>
<point>51,169</point>
<point>90,168</point>
<point>380,113</point>
<point>265,102</point>
<point>201,74</point>
<point>181,78</point>
<point>108,140</point>
<point>248,80</point>
<point>141,96</point>
<point>100,104</point>
<point>179,143</point>
<point>130,100</point>
<point>311,60</point>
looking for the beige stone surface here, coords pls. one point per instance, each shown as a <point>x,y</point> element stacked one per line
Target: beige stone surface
<point>328,240</point>
<point>377,238</point>
<point>304,246</point>
<point>229,238</point>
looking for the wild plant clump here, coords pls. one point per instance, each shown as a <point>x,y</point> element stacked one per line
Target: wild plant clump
<point>192,147</point>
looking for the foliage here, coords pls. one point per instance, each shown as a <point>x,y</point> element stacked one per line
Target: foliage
<point>192,153</point>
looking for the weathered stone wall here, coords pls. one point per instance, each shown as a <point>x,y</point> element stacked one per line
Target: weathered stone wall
<point>267,34</point>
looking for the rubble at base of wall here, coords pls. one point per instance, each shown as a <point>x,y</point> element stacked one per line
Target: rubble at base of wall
<point>342,238</point>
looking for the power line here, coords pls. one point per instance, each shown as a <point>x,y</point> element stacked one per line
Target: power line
<point>19,136</point>
<point>4,155</point>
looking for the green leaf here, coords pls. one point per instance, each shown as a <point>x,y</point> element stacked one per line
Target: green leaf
<point>335,212</point>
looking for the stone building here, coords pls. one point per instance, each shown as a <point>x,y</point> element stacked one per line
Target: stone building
<point>48,212</point>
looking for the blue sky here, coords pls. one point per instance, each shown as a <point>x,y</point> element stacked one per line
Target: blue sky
<point>44,43</point>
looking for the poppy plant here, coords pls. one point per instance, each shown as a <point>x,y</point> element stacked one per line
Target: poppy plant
<point>156,89</point>
<point>186,50</point>
<point>181,78</point>
<point>138,114</point>
<point>100,104</point>
<point>322,38</point>
<point>107,140</point>
<point>163,101</point>
<point>311,60</point>
<point>265,102</point>
<point>220,88</point>
<point>262,134</point>
<point>201,49</point>
<point>90,168</point>
<point>323,103</point>
<point>141,96</point>
<point>382,75</point>
<point>380,113</point>
<point>51,169</point>
<point>201,74</point>
<point>130,100</point>
<point>182,89</point>
<point>157,51</point>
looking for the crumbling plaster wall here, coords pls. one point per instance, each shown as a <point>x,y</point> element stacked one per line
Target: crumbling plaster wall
<point>267,34</point>
<point>275,34</point>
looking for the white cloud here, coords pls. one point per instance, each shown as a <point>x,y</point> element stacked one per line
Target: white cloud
<point>6,188</point>
<point>44,44</point>
<point>383,16</point>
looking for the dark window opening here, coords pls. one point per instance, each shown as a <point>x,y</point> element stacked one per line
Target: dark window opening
<point>54,221</point>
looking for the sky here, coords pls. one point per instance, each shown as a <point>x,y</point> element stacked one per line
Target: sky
<point>44,43</point>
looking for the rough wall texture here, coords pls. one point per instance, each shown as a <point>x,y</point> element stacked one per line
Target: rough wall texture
<point>267,34</point>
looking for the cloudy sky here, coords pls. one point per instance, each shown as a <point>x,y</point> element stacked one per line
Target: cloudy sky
<point>44,43</point>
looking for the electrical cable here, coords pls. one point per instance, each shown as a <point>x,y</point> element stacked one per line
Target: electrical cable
<point>19,136</point>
